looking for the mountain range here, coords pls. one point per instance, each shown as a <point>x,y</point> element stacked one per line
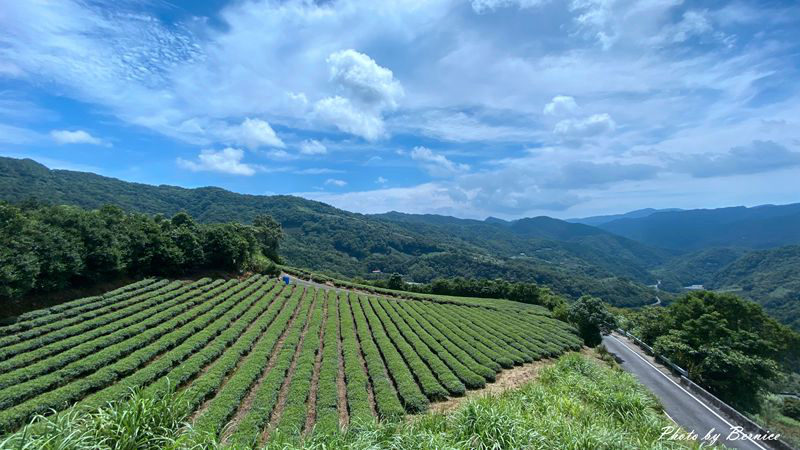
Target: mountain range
<point>614,256</point>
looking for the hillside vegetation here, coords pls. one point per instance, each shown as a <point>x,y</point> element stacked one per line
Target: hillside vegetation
<point>695,268</point>
<point>49,248</point>
<point>573,259</point>
<point>252,356</point>
<point>770,277</point>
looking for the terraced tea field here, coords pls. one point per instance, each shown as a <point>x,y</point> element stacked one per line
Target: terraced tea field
<point>254,355</point>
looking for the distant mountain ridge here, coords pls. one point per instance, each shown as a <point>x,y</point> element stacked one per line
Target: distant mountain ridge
<point>756,227</point>
<point>637,214</point>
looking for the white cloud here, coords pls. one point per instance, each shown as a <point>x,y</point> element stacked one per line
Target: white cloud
<point>76,137</point>
<point>381,180</point>
<point>593,125</point>
<point>281,155</point>
<point>317,171</point>
<point>228,160</point>
<point>560,105</point>
<point>368,90</point>
<point>335,182</point>
<point>481,6</point>
<point>312,147</point>
<point>459,126</point>
<point>253,134</point>
<point>693,23</point>
<point>344,115</point>
<point>437,164</point>
<point>364,80</point>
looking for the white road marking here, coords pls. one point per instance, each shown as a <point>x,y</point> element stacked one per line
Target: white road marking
<point>687,392</point>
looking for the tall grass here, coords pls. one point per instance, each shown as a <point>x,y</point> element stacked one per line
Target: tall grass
<point>138,423</point>
<point>576,403</point>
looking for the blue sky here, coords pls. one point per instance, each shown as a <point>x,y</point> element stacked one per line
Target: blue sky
<point>507,108</point>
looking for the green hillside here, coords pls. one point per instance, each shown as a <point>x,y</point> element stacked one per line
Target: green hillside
<point>770,277</point>
<point>695,268</point>
<point>572,259</point>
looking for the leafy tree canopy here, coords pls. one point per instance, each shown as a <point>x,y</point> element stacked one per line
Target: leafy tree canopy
<point>590,316</point>
<point>727,344</point>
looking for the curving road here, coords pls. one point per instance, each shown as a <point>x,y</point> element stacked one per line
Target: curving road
<point>684,408</point>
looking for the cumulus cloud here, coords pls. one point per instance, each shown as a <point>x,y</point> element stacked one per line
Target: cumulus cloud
<point>228,160</point>
<point>312,147</point>
<point>367,91</point>
<point>573,126</point>
<point>363,79</point>
<point>340,112</point>
<point>561,105</point>
<point>254,134</point>
<point>437,164</point>
<point>756,157</point>
<point>585,127</point>
<point>76,137</point>
<point>336,182</point>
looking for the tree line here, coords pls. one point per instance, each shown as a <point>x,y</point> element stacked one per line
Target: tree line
<point>45,248</point>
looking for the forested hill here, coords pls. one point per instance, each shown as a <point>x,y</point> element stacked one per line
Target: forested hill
<point>757,227</point>
<point>769,277</point>
<point>542,238</point>
<point>572,259</point>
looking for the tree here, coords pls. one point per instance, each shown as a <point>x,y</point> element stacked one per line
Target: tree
<point>395,282</point>
<point>590,316</point>
<point>228,246</point>
<point>727,344</point>
<point>268,233</point>
<point>187,239</point>
<point>19,264</point>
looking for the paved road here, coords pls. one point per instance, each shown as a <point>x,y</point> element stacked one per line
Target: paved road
<point>658,300</point>
<point>683,407</point>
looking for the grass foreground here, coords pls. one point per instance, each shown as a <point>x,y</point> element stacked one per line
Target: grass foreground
<point>575,403</point>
